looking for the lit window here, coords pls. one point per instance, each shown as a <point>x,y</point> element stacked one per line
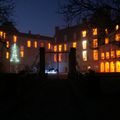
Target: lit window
<point>117,37</point>
<point>95,54</point>
<point>107,55</point>
<point>7,55</point>
<point>22,51</point>
<point>106,31</point>
<point>55,57</point>
<point>84,33</point>
<point>118,66</point>
<point>107,67</point>
<point>1,34</point>
<point>106,40</point>
<point>4,35</point>
<point>60,48</point>
<point>118,53</point>
<point>28,43</point>
<point>65,47</point>
<point>21,54</point>
<point>84,54</point>
<point>14,38</point>
<point>117,27</point>
<point>35,44</point>
<point>60,57</point>
<point>84,44</point>
<point>95,43</point>
<point>102,67</point>
<point>95,31</point>
<point>49,46</point>
<point>7,44</point>
<point>41,44</point>
<point>112,54</point>
<point>74,44</point>
<point>112,67</point>
<point>55,48</point>
<point>102,56</point>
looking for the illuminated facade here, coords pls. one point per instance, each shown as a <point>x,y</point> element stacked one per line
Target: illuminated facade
<point>96,49</point>
<point>21,50</point>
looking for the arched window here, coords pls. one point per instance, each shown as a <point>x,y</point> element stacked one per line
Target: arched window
<point>107,67</point>
<point>112,67</point>
<point>102,67</point>
<point>118,66</point>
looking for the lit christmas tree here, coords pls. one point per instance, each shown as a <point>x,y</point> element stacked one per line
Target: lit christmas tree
<point>14,54</point>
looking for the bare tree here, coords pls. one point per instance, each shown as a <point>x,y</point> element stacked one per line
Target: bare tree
<point>6,10</point>
<point>93,10</point>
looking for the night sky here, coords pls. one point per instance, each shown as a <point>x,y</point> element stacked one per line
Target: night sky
<point>39,16</point>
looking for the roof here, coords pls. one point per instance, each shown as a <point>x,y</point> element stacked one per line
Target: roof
<point>35,36</point>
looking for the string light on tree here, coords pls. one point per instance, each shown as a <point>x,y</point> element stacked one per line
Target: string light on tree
<point>14,54</point>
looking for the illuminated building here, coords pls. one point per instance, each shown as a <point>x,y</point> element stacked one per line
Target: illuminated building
<point>21,51</point>
<point>94,50</point>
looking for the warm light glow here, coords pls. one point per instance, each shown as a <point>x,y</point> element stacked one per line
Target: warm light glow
<point>1,34</point>
<point>7,44</point>
<point>102,56</point>
<point>117,37</point>
<point>102,67</point>
<point>55,57</point>
<point>106,40</point>
<point>29,43</point>
<point>89,67</point>
<point>4,35</point>
<point>118,53</point>
<point>107,55</point>
<point>118,66</point>
<point>112,67</point>
<point>84,44</point>
<point>112,54</point>
<point>49,46</point>
<point>95,31</point>
<point>74,45</point>
<point>95,54</point>
<point>107,67</point>
<point>106,31</point>
<point>55,48</point>
<point>60,48</point>
<point>35,44</point>
<point>22,51</point>
<point>7,55</point>
<point>14,38</point>
<point>84,33</point>
<point>84,54</point>
<point>95,43</point>
<point>21,54</point>
<point>117,27</point>
<point>65,47</point>
<point>60,57</point>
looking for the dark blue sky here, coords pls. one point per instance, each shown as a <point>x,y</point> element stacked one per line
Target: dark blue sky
<point>39,16</point>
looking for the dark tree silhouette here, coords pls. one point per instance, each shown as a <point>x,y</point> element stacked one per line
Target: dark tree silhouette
<point>6,10</point>
<point>92,10</point>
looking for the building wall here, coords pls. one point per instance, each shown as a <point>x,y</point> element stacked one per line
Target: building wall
<point>93,50</point>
